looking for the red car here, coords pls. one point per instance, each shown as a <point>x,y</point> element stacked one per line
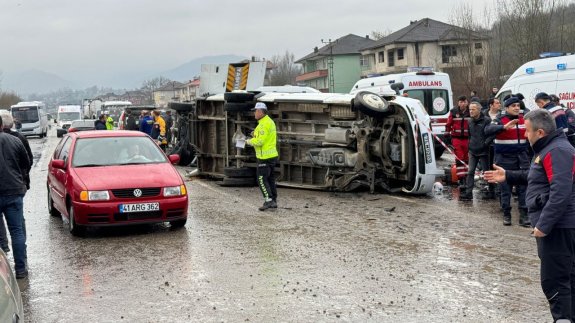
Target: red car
<point>105,178</point>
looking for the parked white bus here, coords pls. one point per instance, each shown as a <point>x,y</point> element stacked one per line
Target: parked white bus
<point>30,118</point>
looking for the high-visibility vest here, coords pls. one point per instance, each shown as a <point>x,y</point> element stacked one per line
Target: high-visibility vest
<point>265,139</point>
<point>110,123</point>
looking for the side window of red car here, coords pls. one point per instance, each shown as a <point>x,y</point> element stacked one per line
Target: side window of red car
<point>65,150</point>
<point>59,147</point>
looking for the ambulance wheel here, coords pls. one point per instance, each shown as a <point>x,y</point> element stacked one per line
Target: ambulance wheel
<point>237,107</point>
<point>371,104</point>
<point>238,97</point>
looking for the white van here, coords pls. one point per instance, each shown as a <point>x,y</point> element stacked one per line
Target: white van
<point>554,75</point>
<point>30,118</point>
<point>67,114</point>
<point>432,89</point>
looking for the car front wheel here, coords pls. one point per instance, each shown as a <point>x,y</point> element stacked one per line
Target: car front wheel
<point>178,223</point>
<point>53,211</point>
<point>75,229</point>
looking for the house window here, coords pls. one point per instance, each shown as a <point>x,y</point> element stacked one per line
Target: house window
<point>447,52</point>
<point>478,45</point>
<point>381,57</point>
<point>478,60</point>
<point>364,61</point>
<point>400,54</point>
<point>390,58</point>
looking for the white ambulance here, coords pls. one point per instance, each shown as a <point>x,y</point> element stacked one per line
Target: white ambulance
<point>433,89</point>
<point>553,75</point>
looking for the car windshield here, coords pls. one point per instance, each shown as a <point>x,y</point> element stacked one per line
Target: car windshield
<point>25,114</point>
<point>111,151</point>
<point>68,116</point>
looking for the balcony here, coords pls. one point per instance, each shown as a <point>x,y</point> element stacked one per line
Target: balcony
<point>311,75</point>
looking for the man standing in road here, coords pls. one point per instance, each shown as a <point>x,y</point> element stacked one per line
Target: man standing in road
<point>100,124</point>
<point>543,101</point>
<point>146,123</point>
<point>478,146</point>
<point>457,127</point>
<point>264,142</point>
<point>109,123</point>
<point>13,164</point>
<point>551,201</point>
<point>159,130</point>
<point>8,122</point>
<point>511,152</point>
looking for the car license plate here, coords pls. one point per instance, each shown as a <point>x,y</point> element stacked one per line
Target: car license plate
<point>139,207</point>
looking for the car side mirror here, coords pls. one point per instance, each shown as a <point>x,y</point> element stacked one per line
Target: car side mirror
<point>174,159</point>
<point>58,164</point>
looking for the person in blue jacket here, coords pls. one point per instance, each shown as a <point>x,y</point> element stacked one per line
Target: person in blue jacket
<point>147,123</point>
<point>550,200</point>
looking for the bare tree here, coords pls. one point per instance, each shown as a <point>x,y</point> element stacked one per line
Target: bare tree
<point>8,98</point>
<point>154,83</point>
<point>284,69</point>
<point>378,34</point>
<point>470,64</point>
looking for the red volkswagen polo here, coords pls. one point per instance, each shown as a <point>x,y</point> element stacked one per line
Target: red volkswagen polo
<point>103,178</point>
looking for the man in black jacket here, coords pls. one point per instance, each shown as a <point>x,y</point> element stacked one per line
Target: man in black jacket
<point>478,146</point>
<point>551,204</point>
<point>13,164</point>
<point>100,124</point>
<point>8,123</point>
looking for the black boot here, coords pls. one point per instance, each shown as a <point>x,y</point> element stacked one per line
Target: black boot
<point>274,204</point>
<point>524,218</point>
<point>507,217</point>
<point>465,194</point>
<point>267,205</point>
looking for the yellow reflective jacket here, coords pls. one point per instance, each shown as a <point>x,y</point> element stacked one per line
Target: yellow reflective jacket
<point>264,140</point>
<point>159,130</point>
<point>110,123</point>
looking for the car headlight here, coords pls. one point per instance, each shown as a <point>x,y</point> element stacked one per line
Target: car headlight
<point>175,190</point>
<point>94,196</point>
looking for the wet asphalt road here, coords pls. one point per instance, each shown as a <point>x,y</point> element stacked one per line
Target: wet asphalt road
<point>320,257</point>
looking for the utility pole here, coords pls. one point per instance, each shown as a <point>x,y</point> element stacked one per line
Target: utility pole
<point>330,75</point>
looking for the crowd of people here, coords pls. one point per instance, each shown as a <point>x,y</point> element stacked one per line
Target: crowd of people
<point>153,123</point>
<point>534,152</point>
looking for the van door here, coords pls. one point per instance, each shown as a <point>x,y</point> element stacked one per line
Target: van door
<point>566,86</point>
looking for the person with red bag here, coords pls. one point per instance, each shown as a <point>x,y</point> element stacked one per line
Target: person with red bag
<point>457,128</point>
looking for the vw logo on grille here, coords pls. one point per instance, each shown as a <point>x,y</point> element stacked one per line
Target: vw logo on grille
<point>137,192</point>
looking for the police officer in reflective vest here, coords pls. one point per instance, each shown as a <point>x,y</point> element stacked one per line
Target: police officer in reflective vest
<point>264,143</point>
<point>457,127</point>
<point>511,152</point>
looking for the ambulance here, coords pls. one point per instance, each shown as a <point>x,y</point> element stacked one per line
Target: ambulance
<point>432,89</point>
<point>67,114</point>
<point>553,75</point>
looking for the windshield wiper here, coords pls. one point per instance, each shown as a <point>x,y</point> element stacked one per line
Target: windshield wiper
<point>90,165</point>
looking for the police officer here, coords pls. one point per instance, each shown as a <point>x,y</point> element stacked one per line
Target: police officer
<point>264,143</point>
<point>109,123</point>
<point>543,100</point>
<point>511,152</point>
<point>457,127</point>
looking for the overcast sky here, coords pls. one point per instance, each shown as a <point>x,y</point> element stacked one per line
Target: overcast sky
<point>92,40</point>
